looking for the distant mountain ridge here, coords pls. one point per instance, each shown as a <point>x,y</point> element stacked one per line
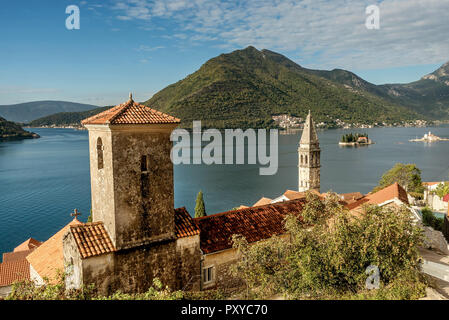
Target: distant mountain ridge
<point>246,87</point>
<point>65,118</point>
<point>26,112</point>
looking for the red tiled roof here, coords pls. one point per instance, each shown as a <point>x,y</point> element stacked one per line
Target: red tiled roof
<point>92,239</point>
<point>262,201</point>
<point>388,193</point>
<point>351,196</point>
<point>48,258</point>
<point>291,194</point>
<point>13,271</point>
<point>254,223</point>
<point>13,256</point>
<point>27,245</point>
<point>185,226</point>
<point>131,112</point>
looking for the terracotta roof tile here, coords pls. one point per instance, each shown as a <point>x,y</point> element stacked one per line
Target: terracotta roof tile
<point>351,196</point>
<point>262,201</point>
<point>13,256</point>
<point>184,224</point>
<point>131,112</point>
<point>254,223</point>
<point>48,258</point>
<point>92,239</point>
<point>13,271</point>
<point>292,195</point>
<point>27,245</point>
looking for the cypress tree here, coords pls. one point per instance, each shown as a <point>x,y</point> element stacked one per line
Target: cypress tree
<point>200,210</point>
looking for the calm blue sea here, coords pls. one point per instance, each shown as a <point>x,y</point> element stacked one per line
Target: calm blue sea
<point>43,180</point>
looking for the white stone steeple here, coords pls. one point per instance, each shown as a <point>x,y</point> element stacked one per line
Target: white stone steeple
<point>309,158</point>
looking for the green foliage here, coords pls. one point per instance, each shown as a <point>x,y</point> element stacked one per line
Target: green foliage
<point>66,118</point>
<point>200,210</point>
<point>28,290</point>
<point>442,189</point>
<point>328,260</point>
<point>245,88</point>
<point>429,219</point>
<point>406,175</point>
<point>11,130</point>
<point>89,219</point>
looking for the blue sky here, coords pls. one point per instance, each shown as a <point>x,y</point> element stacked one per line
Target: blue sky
<point>143,46</point>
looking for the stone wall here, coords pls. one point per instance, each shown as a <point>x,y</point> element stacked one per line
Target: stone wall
<point>144,200</point>
<point>189,263</point>
<point>73,265</point>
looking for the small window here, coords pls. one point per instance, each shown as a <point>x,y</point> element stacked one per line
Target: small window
<point>306,159</point>
<point>302,160</point>
<point>144,164</point>
<point>100,153</point>
<point>208,275</point>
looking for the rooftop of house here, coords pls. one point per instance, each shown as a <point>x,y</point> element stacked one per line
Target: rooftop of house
<point>394,191</point>
<point>12,271</point>
<point>92,239</point>
<point>131,112</point>
<point>48,258</point>
<point>27,245</point>
<point>184,224</point>
<point>13,256</point>
<point>254,223</point>
<point>262,201</point>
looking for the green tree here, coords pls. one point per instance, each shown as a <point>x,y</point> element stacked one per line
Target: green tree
<point>442,189</point>
<point>327,254</point>
<point>406,175</point>
<point>200,210</point>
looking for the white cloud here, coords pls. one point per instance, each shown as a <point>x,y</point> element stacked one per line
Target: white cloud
<point>318,33</point>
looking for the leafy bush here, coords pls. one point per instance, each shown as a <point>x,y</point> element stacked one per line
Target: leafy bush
<point>329,258</point>
<point>430,220</point>
<point>406,175</point>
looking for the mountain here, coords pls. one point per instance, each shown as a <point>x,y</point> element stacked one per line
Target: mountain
<point>246,87</point>
<point>429,95</point>
<point>65,118</point>
<point>25,112</point>
<point>10,130</point>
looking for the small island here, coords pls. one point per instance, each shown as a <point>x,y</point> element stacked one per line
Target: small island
<point>429,137</point>
<point>13,131</point>
<point>355,139</point>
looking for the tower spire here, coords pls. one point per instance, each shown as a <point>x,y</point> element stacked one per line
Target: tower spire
<point>309,157</point>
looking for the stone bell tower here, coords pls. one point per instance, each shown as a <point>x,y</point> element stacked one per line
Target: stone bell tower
<point>309,158</point>
<point>132,174</point>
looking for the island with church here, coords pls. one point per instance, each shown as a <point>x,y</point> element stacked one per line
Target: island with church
<point>355,139</point>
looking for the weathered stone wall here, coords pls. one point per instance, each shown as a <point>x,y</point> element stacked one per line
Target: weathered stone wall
<point>189,263</point>
<point>102,183</point>
<point>4,291</point>
<point>308,169</point>
<point>73,266</point>
<point>144,201</point>
<point>221,262</point>
<point>133,270</point>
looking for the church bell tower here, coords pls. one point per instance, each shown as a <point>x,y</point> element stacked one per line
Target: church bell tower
<point>309,158</point>
<point>132,174</point>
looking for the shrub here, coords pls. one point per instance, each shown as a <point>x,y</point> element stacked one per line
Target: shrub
<point>329,258</point>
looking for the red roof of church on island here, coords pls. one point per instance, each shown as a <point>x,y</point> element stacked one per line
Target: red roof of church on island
<point>131,112</point>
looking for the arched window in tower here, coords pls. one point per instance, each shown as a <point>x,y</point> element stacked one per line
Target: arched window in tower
<point>144,176</point>
<point>305,159</point>
<point>100,153</point>
<point>302,159</point>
